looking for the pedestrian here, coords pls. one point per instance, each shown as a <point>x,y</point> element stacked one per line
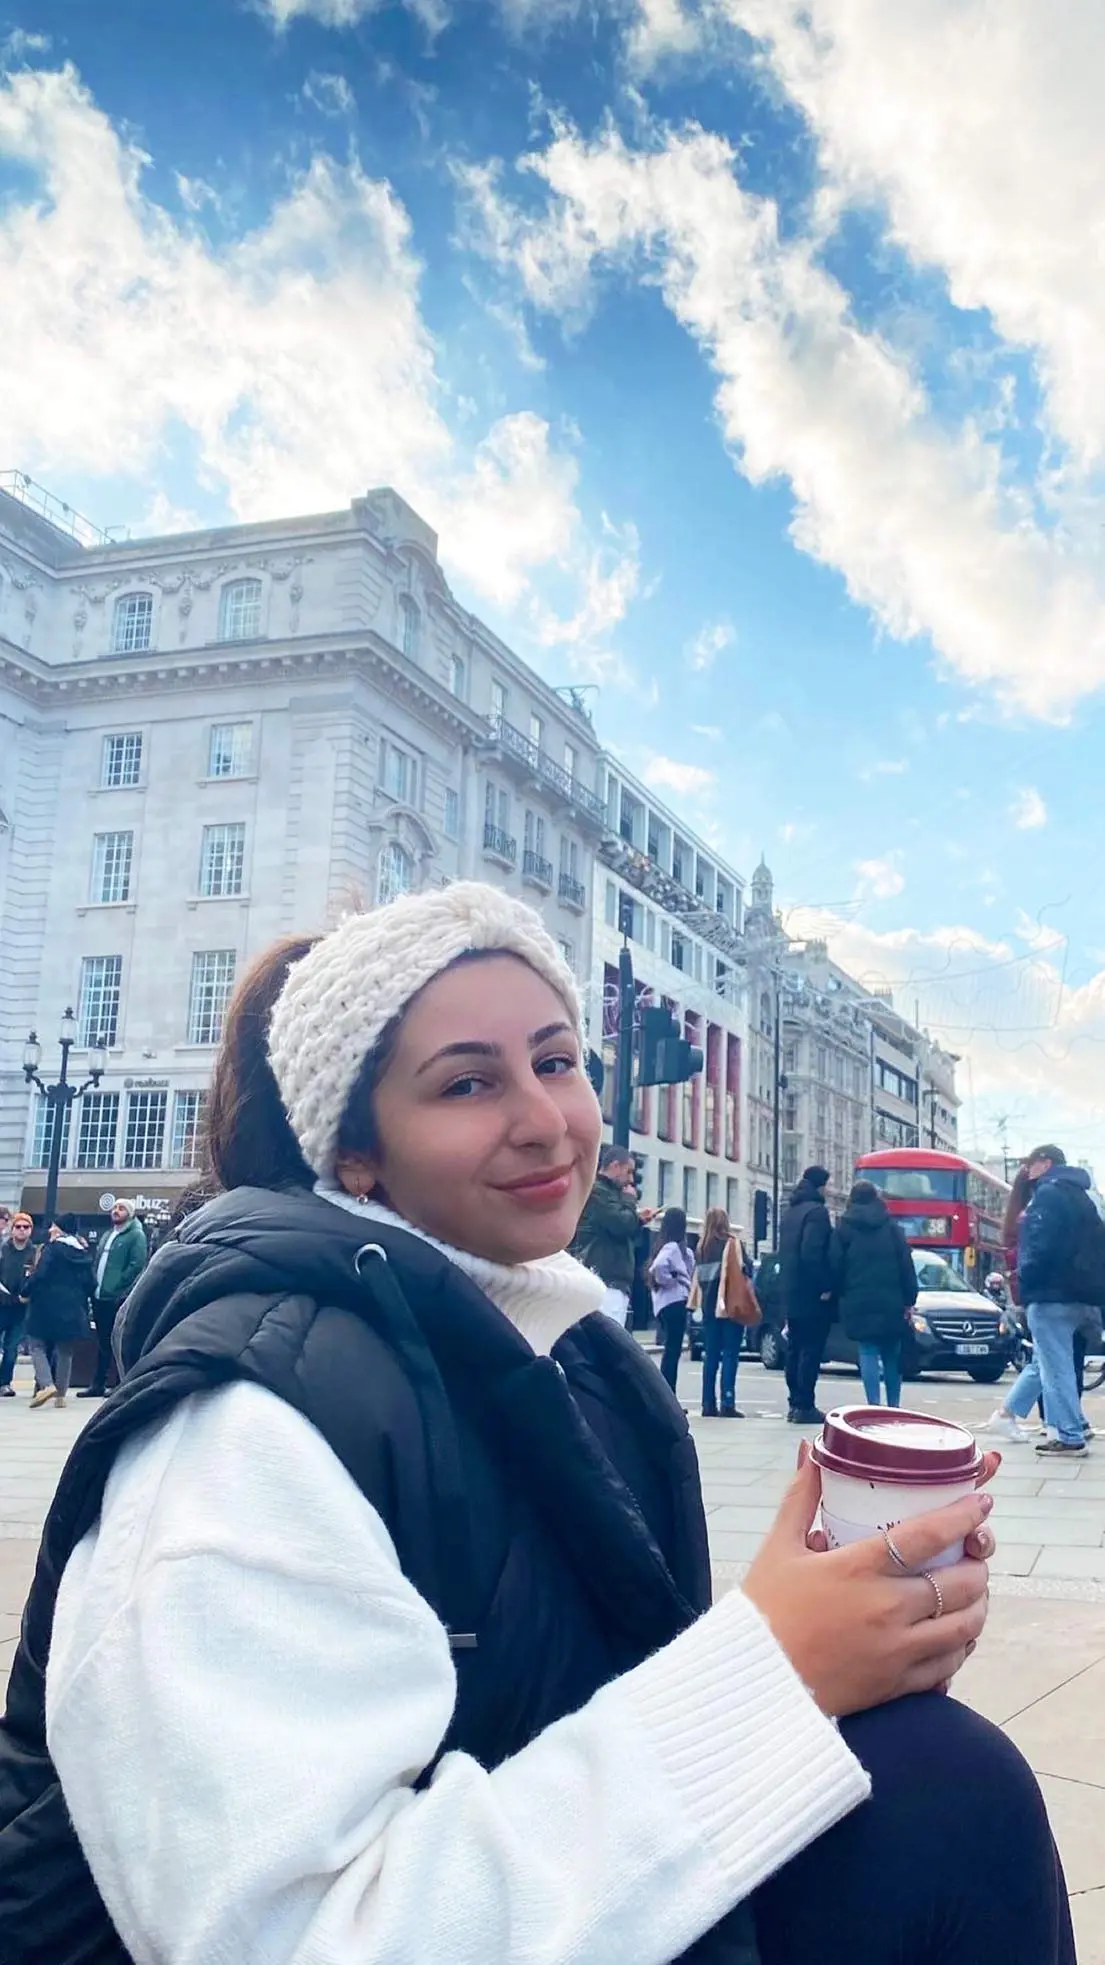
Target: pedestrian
<point>392,1551</point>
<point>804,1238</point>
<point>606,1239</point>
<point>671,1273</point>
<point>875,1285</point>
<point>5,1222</point>
<point>120,1260</point>
<point>1060,1279</point>
<point>17,1259</point>
<point>59,1290</point>
<point>723,1288</point>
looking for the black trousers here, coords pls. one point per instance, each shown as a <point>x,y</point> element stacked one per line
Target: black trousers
<point>672,1320</point>
<point>805,1343</point>
<point>951,1862</point>
<point>104,1312</point>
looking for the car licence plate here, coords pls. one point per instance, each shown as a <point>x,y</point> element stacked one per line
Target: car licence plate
<point>972,1350</point>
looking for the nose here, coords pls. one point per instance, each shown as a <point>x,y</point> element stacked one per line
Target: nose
<point>536,1118</point>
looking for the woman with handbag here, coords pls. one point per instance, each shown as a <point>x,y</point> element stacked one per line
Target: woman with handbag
<point>728,1302</point>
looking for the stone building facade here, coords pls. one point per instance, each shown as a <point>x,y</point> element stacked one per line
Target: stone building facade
<point>213,739</point>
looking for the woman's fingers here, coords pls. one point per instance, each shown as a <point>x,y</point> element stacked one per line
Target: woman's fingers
<point>956,1588</point>
<point>980,1545</point>
<point>990,1463</point>
<point>926,1536</point>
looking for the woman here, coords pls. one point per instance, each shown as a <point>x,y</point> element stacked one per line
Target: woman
<point>875,1284</point>
<point>722,1288</point>
<point>381,1630</point>
<point>671,1273</point>
<point>59,1291</point>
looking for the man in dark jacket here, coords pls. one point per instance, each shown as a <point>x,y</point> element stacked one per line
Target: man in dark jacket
<point>875,1284</point>
<point>120,1260</point>
<point>609,1227</point>
<point>1058,1225</point>
<point>17,1258</point>
<point>804,1236</point>
<point>59,1291</point>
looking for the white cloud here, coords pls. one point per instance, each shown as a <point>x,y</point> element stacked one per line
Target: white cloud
<point>330,94</point>
<point>980,129</point>
<point>434,14</point>
<point>879,880</point>
<point>711,640</point>
<point>661,28</point>
<point>608,581</point>
<point>711,731</point>
<point>1038,935</point>
<point>688,780</point>
<point>885,767</point>
<point>918,517</point>
<point>796,831</point>
<point>1028,811</point>
<point>21,44</point>
<point>295,360</point>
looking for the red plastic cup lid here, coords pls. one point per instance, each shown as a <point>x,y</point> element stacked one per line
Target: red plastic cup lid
<point>882,1443</point>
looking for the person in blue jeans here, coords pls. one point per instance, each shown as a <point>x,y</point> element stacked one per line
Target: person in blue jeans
<point>17,1258</point>
<point>1058,1217</point>
<point>670,1274</point>
<point>875,1284</point>
<point>719,1262</point>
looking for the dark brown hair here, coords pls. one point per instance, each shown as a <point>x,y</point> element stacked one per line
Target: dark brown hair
<point>716,1231</point>
<point>1020,1195</point>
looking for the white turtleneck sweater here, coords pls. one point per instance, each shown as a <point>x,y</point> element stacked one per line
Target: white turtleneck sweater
<point>239,1697</point>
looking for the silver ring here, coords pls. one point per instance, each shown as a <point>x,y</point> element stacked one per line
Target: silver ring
<point>937,1591</point>
<point>893,1550</point>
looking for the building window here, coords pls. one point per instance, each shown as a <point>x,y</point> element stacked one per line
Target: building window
<point>112,854</point>
<point>536,731</point>
<point>222,861</point>
<point>571,762</point>
<point>458,676</point>
<point>45,1115</point>
<point>98,1002</point>
<point>410,626</point>
<point>713,1190</point>
<point>230,750</point>
<point>399,774</point>
<point>186,1145</point>
<point>732,1201</point>
<point>665,1173</point>
<point>98,1129</point>
<point>144,1132</point>
<point>394,874</point>
<point>496,809</point>
<point>611,905</point>
<point>452,813</point>
<point>498,702</point>
<point>121,763</point>
<point>567,950</point>
<point>690,1191</point>
<point>212,982</point>
<point>790,1166</point>
<point>240,611</point>
<point>133,625</point>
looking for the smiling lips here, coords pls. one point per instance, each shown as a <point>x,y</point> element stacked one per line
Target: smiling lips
<point>541,1189</point>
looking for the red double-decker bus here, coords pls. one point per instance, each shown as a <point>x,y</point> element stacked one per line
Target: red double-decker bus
<point>943,1202</point>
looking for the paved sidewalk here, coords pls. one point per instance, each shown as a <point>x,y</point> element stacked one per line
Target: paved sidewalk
<point>1039,1672</point>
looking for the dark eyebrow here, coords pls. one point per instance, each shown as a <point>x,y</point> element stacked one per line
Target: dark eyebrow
<point>473,1047</point>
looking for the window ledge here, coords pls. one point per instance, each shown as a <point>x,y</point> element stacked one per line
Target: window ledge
<point>212,900</point>
<point>106,907</point>
<point>232,778</point>
<point>191,1049</point>
<point>112,791</point>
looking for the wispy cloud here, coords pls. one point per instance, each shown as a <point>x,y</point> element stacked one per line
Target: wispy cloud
<point>667,774</point>
<point>1028,811</point>
<point>703,649</point>
<point>879,880</point>
<point>886,767</point>
<point>330,94</point>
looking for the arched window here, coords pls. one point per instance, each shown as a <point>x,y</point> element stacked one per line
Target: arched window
<point>410,625</point>
<point>395,874</point>
<point>240,611</point>
<point>766,1023</point>
<point>133,625</point>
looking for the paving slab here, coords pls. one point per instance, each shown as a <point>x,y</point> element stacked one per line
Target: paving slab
<point>1063,1732</point>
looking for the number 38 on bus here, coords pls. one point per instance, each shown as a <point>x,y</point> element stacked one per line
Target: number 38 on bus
<point>943,1202</point>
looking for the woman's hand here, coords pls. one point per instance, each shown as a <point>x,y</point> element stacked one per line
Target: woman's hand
<point>857,1630</point>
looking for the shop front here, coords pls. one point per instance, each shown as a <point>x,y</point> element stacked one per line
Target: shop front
<point>91,1197</point>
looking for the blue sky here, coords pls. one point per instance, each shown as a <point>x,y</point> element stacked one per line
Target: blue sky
<point>749,357</point>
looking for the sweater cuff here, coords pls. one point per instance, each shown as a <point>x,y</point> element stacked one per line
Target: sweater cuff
<point>742,1741</point>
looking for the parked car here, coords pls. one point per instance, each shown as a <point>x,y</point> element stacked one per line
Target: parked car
<point>951,1328</point>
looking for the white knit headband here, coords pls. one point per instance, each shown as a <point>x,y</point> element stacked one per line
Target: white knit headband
<point>339,999</point>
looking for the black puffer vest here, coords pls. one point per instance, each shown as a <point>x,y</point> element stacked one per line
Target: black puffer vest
<point>548,1509</point>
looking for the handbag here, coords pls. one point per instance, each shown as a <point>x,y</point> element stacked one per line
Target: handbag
<point>737,1300</point>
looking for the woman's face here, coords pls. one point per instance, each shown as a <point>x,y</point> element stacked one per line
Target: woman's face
<point>488,1127</point>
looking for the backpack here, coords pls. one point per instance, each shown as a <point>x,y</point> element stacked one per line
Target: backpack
<point>1085,1278</point>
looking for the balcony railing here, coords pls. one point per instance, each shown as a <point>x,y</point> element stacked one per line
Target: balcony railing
<point>500,845</point>
<point>539,871</point>
<point>572,892</point>
<point>515,744</point>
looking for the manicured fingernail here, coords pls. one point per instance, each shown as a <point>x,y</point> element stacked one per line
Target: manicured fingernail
<point>803,1454</point>
<point>987,1503</point>
<point>986,1542</point>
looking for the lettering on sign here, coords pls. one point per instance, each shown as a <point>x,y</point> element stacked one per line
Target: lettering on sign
<point>145,1084</point>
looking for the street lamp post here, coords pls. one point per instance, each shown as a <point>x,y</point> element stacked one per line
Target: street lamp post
<point>60,1096</point>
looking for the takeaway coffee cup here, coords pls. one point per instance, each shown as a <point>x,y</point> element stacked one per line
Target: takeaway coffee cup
<point>880,1466</point>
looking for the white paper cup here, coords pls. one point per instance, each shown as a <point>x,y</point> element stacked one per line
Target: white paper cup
<point>880,1468</point>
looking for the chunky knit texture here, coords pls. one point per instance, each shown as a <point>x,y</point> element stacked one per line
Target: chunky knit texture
<point>340,998</point>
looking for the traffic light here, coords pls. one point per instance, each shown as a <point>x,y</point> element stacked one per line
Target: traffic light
<point>665,1057</point>
<point>759,1216</point>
